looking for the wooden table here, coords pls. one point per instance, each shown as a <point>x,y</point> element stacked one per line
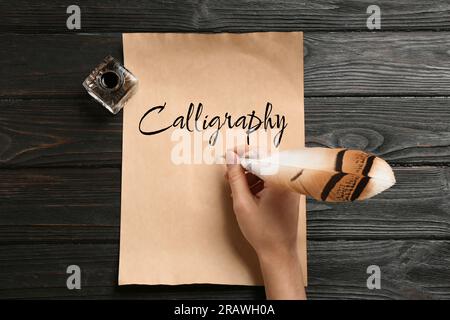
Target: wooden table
<point>386,92</point>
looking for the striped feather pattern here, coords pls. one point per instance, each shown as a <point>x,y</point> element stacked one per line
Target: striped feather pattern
<point>334,175</point>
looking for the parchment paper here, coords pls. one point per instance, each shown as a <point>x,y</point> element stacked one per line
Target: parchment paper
<point>177,223</point>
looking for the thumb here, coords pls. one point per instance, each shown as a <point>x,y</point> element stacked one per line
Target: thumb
<point>237,180</point>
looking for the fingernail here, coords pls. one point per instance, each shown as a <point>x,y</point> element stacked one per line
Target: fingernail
<point>231,158</point>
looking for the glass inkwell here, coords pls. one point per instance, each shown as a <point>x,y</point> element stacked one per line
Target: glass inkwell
<point>111,84</point>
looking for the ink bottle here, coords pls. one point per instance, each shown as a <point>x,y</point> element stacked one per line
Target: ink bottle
<point>111,84</point>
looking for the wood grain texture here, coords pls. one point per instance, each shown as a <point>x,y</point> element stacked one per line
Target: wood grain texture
<point>404,131</point>
<point>336,64</point>
<point>83,206</point>
<point>52,66</point>
<point>49,16</point>
<point>385,92</point>
<point>377,64</point>
<point>410,269</point>
<point>79,132</point>
<point>59,132</point>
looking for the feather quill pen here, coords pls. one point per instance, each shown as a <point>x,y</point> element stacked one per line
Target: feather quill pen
<point>334,175</point>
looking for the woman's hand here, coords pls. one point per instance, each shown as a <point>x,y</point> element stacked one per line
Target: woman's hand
<point>269,221</point>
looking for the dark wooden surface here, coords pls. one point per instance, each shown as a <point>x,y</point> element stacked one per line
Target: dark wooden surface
<point>386,92</point>
<point>28,16</point>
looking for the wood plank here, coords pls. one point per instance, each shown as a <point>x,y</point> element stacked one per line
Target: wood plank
<point>78,132</point>
<point>377,64</point>
<point>412,131</point>
<point>58,132</point>
<point>83,206</point>
<point>52,65</point>
<point>336,64</point>
<point>410,269</point>
<point>49,16</point>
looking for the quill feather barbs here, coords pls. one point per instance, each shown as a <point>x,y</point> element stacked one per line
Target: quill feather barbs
<point>334,175</point>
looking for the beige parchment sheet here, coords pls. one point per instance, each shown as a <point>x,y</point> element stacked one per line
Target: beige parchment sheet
<point>177,223</point>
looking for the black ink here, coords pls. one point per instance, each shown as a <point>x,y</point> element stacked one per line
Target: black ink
<point>249,122</point>
<point>110,80</point>
<point>160,108</point>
